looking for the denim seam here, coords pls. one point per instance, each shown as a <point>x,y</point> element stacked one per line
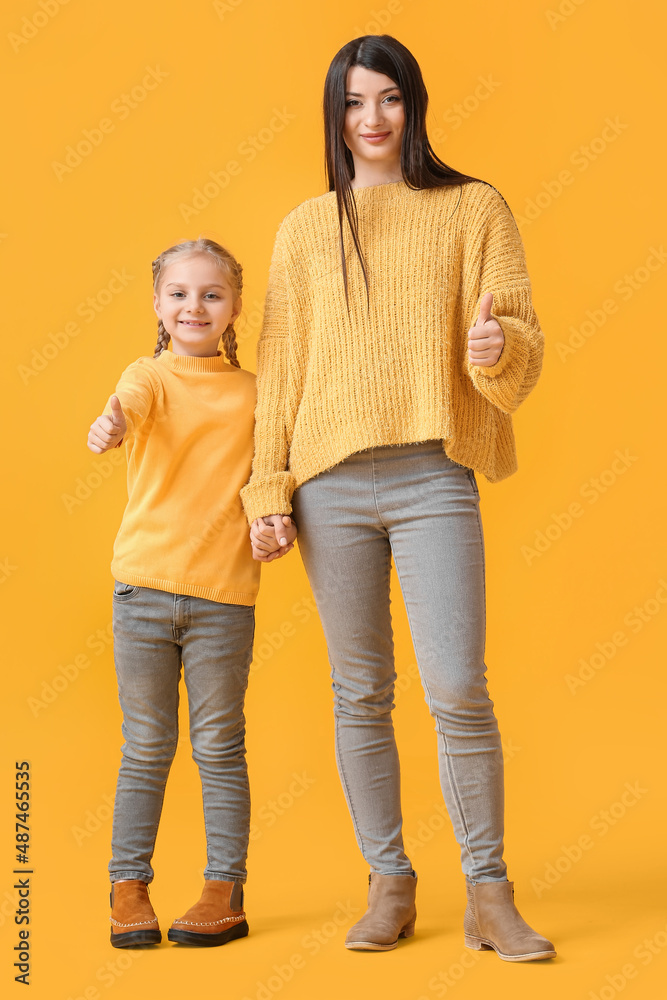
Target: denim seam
<point>341,769</point>
<point>429,699</point>
<point>375,498</point>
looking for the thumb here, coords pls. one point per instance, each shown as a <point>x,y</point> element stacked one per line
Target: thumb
<point>117,411</point>
<point>485,309</point>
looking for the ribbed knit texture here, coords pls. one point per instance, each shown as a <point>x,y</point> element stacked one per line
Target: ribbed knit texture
<point>330,385</point>
<point>189,449</point>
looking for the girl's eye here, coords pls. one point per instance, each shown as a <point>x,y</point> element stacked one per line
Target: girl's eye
<point>212,295</point>
<point>177,293</point>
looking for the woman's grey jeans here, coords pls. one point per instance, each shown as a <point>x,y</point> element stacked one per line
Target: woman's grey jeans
<point>154,631</point>
<point>413,502</point>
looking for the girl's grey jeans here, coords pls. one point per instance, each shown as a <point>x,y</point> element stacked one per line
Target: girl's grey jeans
<point>413,502</point>
<point>154,633</point>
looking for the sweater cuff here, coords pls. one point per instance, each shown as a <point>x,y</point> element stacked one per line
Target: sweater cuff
<point>269,495</point>
<point>492,370</point>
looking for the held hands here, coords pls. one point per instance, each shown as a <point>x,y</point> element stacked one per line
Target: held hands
<point>485,339</point>
<point>272,537</point>
<point>108,431</point>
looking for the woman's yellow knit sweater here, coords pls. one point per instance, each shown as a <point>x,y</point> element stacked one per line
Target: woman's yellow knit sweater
<point>329,385</point>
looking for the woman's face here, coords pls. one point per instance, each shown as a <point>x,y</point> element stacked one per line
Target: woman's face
<point>374,117</point>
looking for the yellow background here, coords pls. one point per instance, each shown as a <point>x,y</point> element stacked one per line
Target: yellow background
<point>535,86</point>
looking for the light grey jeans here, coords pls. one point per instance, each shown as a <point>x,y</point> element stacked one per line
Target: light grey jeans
<point>154,631</point>
<point>413,502</point>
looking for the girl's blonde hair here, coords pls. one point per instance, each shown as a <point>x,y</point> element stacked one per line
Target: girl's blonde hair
<point>226,260</point>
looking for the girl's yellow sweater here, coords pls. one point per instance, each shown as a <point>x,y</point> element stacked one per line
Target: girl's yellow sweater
<point>329,385</point>
<point>189,448</point>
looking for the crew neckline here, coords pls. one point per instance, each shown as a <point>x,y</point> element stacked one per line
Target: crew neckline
<point>389,189</point>
<point>188,363</point>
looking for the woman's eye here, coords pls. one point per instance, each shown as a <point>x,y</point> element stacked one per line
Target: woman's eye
<point>349,104</point>
<point>392,97</point>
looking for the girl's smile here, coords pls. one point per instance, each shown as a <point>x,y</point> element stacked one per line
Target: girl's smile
<point>196,304</point>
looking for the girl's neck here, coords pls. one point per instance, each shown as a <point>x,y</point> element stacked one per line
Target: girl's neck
<point>191,352</point>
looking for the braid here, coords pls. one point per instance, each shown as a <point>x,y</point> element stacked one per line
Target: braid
<point>163,339</point>
<point>229,345</point>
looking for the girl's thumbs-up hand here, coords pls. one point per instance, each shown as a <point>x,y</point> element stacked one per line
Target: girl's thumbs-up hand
<point>485,339</point>
<point>108,431</point>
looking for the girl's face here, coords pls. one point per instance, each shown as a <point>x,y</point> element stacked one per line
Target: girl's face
<point>374,118</point>
<point>196,303</point>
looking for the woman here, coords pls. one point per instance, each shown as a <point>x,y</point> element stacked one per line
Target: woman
<point>399,336</point>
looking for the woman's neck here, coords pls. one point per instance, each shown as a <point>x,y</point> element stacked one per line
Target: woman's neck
<point>370,174</point>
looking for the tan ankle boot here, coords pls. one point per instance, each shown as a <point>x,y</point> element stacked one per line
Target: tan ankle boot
<point>390,915</point>
<point>216,918</point>
<point>133,920</point>
<point>493,921</point>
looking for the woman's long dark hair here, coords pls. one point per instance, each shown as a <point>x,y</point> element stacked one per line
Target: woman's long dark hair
<point>420,166</point>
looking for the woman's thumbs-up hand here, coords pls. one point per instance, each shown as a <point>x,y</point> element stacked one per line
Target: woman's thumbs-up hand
<point>108,431</point>
<point>485,339</point>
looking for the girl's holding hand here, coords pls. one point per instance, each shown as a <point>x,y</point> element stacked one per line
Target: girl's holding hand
<point>185,589</point>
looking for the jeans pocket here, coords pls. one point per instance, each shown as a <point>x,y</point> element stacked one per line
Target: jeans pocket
<point>123,591</point>
<point>473,480</point>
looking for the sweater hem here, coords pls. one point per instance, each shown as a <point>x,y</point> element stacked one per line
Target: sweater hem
<point>217,594</point>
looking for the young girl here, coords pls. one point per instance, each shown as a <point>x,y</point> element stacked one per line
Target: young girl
<point>185,589</point>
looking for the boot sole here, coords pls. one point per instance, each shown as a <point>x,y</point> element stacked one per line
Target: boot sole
<point>135,939</point>
<point>208,940</point>
<point>374,946</point>
<point>483,944</point>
